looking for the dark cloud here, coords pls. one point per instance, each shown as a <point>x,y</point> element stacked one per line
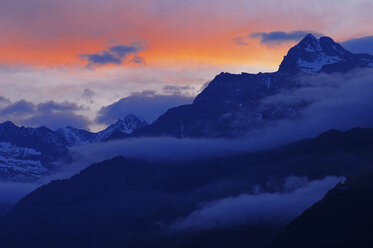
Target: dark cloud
<point>88,95</point>
<point>19,108</point>
<point>116,54</point>
<point>51,114</point>
<point>359,45</point>
<point>137,60</point>
<point>58,119</point>
<point>101,58</point>
<point>123,51</point>
<point>52,106</point>
<point>147,104</point>
<point>280,207</point>
<point>275,37</point>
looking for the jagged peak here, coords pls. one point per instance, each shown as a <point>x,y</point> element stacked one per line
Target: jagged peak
<point>43,128</point>
<point>126,125</point>
<point>311,54</point>
<point>8,124</point>
<point>132,117</point>
<point>309,38</point>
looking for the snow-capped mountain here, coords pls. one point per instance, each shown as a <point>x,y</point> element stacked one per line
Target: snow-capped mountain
<point>28,153</point>
<point>313,55</point>
<point>20,163</point>
<point>75,136</point>
<point>41,139</point>
<point>230,105</point>
<point>125,126</point>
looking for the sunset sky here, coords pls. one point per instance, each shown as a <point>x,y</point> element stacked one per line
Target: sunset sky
<point>86,54</point>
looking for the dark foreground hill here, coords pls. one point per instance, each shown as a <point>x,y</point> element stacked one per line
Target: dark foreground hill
<point>343,218</point>
<point>131,203</point>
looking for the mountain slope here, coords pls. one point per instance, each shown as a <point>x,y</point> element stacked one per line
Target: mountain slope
<point>313,55</point>
<point>76,137</point>
<point>129,202</point>
<point>230,105</point>
<point>28,153</point>
<point>343,218</point>
<point>42,138</point>
<point>123,126</point>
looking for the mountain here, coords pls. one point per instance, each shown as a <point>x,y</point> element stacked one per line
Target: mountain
<point>230,105</point>
<point>41,138</point>
<point>75,136</point>
<point>123,126</point>
<point>28,153</point>
<point>343,218</point>
<point>314,55</point>
<point>126,202</point>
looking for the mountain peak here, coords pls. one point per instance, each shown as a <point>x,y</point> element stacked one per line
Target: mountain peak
<point>129,123</point>
<point>132,117</point>
<point>311,54</point>
<point>309,42</point>
<point>125,126</point>
<point>7,124</point>
<point>309,38</point>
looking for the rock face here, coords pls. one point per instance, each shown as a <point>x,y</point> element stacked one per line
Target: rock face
<point>27,154</point>
<point>230,105</point>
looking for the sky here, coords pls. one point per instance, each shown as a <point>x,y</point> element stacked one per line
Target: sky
<point>79,57</point>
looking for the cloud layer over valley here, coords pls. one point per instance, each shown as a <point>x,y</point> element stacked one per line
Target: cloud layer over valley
<point>279,207</point>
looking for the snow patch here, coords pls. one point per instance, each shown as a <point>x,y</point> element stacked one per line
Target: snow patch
<point>15,161</point>
<point>315,66</point>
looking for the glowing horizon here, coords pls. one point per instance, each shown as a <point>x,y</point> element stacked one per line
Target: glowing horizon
<point>56,50</point>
